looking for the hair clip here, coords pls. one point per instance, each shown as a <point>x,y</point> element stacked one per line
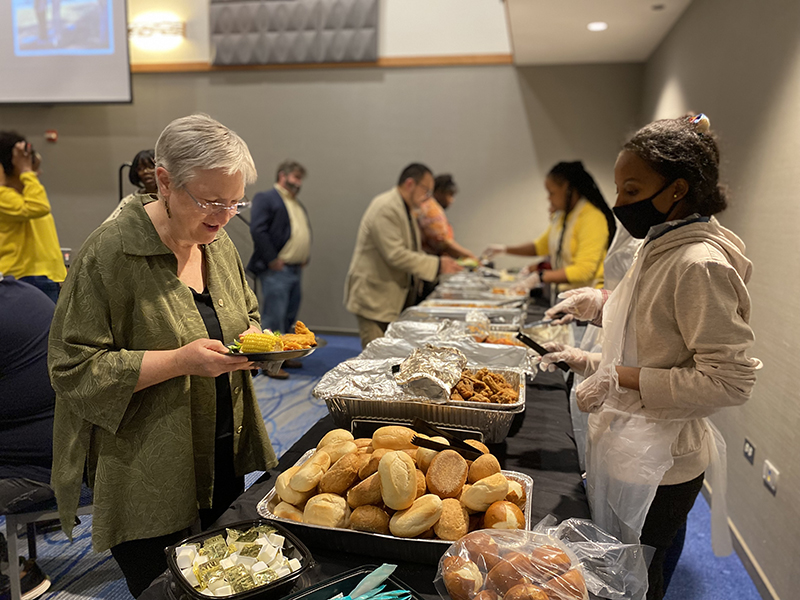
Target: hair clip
<point>701,123</point>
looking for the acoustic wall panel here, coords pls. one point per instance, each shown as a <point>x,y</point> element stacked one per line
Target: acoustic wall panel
<point>262,32</point>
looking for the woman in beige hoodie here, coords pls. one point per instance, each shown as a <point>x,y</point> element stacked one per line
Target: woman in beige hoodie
<point>681,323</point>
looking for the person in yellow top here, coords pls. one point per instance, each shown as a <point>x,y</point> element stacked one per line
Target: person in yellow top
<point>29,248</point>
<point>581,225</point>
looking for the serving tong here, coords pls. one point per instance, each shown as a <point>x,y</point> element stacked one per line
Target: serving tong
<point>539,349</point>
<point>460,446</point>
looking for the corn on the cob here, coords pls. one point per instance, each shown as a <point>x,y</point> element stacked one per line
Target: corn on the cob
<point>261,342</point>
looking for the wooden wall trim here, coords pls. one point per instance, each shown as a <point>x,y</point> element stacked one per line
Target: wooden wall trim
<point>392,62</point>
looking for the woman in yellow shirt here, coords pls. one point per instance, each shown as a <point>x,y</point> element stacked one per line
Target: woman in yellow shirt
<point>29,248</point>
<point>581,225</point>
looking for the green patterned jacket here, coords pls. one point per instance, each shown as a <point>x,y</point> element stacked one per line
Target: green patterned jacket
<point>149,455</point>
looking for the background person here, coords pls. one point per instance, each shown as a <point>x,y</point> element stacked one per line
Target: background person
<point>388,264</point>
<point>27,402</point>
<point>142,174</point>
<point>682,353</point>
<point>29,248</point>
<point>147,397</point>
<point>281,233</point>
<point>581,226</point>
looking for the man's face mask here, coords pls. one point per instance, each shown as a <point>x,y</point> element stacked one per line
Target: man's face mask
<point>640,216</point>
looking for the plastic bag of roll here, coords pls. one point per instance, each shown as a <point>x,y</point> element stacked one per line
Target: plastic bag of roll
<point>574,561</point>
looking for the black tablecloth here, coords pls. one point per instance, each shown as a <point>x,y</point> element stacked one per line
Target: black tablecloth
<point>539,444</point>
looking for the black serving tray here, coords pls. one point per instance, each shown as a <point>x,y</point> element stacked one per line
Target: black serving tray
<point>344,583</point>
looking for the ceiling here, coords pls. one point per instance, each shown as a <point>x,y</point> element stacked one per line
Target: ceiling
<point>549,32</point>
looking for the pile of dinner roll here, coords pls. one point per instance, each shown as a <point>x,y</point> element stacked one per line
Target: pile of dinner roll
<point>386,484</point>
<point>519,565</point>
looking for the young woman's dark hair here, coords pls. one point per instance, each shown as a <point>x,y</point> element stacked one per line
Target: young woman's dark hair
<point>444,184</point>
<point>8,139</point>
<point>144,156</point>
<point>684,149</point>
<point>579,180</point>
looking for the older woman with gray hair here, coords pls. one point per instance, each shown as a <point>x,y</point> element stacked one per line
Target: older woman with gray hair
<point>150,408</point>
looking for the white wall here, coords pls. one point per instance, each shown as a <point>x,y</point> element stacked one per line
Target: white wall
<point>739,62</point>
<point>407,28</point>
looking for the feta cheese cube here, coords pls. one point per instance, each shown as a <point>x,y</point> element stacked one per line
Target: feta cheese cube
<point>184,556</point>
<point>282,571</point>
<point>225,590</point>
<point>276,540</point>
<point>215,583</point>
<point>190,577</point>
<point>258,567</point>
<point>247,561</point>
<point>277,560</point>
<point>200,559</point>
<point>227,563</point>
<point>207,592</point>
<point>294,564</point>
<point>268,552</point>
<point>262,539</point>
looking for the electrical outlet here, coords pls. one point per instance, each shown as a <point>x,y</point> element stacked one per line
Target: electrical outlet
<point>770,475</point>
<point>749,451</point>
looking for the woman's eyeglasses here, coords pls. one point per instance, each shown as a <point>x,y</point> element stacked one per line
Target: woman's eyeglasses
<point>215,207</point>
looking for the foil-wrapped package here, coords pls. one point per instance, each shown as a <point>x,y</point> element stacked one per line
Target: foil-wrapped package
<point>431,372</point>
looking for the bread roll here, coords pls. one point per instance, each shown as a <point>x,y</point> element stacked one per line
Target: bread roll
<point>526,591</point>
<point>286,492</point>
<point>569,586</point>
<point>483,493</point>
<point>446,474</point>
<point>363,443</point>
<point>421,485</point>
<point>284,510</point>
<point>482,549</point>
<point>479,446</point>
<point>483,466</point>
<point>516,493</point>
<point>503,515</point>
<point>425,455</point>
<point>462,578</point>
<point>417,519</point>
<point>328,510</point>
<point>486,595</point>
<point>337,450</point>
<point>372,465</point>
<point>412,452</point>
<point>307,478</point>
<point>514,568</point>
<point>363,461</point>
<point>398,480</point>
<point>335,435</point>
<point>366,492</point>
<point>370,518</point>
<point>394,437</point>
<point>454,522</point>
<point>342,475</point>
<point>549,561</point>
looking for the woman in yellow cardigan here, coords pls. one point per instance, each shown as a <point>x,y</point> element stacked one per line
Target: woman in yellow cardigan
<point>29,248</point>
<point>581,226</point>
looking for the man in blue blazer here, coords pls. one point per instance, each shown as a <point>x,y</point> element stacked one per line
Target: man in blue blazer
<point>281,235</point>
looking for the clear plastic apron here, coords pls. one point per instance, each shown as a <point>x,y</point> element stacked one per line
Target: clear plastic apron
<point>627,451</point>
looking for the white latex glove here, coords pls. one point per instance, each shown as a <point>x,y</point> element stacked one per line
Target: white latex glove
<point>528,283</point>
<point>586,304</point>
<point>593,391</point>
<point>493,250</point>
<point>576,358</point>
<point>527,270</point>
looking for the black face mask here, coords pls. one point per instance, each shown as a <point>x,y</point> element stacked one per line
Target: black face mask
<point>640,216</point>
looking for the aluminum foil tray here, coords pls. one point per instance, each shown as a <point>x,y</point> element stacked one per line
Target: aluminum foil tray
<point>508,318</point>
<point>375,544</point>
<point>493,424</point>
<point>483,304</point>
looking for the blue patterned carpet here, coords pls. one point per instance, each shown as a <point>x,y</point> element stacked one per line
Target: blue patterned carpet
<point>289,410</point>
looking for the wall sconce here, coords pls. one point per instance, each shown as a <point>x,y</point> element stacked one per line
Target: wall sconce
<point>157,31</point>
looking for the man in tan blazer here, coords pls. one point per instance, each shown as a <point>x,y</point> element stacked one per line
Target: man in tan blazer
<point>388,264</point>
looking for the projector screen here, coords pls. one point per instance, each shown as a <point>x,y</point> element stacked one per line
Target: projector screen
<point>64,51</point>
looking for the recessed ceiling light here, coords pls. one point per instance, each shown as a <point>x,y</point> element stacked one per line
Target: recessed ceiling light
<point>597,26</point>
